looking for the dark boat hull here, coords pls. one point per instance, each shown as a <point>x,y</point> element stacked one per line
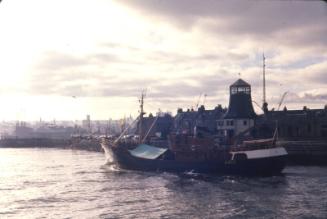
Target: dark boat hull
<point>259,166</point>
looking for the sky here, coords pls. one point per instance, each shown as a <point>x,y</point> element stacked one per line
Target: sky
<point>65,59</point>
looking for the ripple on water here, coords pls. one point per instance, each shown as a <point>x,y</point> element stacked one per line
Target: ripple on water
<point>78,185</point>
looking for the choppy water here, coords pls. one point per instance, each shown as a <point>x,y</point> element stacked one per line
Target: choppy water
<point>55,183</point>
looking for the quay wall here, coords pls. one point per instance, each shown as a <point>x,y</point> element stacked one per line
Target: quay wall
<point>305,152</point>
<point>34,142</point>
<point>89,144</point>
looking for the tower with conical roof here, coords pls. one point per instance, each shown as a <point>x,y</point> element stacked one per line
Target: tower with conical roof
<point>240,114</point>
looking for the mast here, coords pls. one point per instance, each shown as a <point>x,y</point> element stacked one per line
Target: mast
<point>264,77</point>
<point>141,114</point>
<point>264,104</point>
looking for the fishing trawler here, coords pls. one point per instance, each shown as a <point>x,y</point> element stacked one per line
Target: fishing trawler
<point>235,153</point>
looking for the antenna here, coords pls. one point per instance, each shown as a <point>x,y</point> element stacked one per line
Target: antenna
<point>281,100</point>
<point>204,99</point>
<point>198,102</point>
<point>257,105</point>
<point>264,77</point>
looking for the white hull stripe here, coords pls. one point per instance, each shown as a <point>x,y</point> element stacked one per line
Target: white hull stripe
<point>264,153</point>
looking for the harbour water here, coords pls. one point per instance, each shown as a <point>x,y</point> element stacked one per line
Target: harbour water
<point>57,183</point>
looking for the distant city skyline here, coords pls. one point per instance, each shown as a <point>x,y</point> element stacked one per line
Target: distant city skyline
<point>66,59</point>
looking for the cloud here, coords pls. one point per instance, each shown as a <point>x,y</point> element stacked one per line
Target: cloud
<point>244,16</point>
<point>114,73</point>
<point>289,22</point>
<point>317,73</point>
<point>312,98</point>
<point>53,60</point>
<point>189,47</point>
<point>319,97</point>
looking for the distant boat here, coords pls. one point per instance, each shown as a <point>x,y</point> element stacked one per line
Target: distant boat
<point>197,153</point>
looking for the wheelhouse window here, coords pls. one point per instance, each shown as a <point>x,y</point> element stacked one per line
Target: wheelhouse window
<point>241,89</point>
<point>235,90</point>
<point>245,122</point>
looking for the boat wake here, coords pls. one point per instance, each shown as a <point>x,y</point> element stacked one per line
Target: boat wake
<point>109,163</point>
<point>107,151</point>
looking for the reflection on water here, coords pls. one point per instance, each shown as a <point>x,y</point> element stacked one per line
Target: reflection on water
<point>36,183</point>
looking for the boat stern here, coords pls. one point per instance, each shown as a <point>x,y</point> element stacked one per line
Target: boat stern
<point>268,161</point>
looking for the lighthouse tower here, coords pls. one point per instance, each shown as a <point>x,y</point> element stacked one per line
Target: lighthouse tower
<point>240,114</point>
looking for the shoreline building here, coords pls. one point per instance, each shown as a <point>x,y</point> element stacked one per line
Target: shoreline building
<point>240,116</point>
<point>186,121</point>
